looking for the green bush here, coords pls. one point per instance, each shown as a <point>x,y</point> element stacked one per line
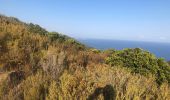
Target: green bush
<point>141,61</point>
<point>33,28</point>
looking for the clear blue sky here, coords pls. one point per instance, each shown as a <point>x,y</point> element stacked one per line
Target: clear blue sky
<point>143,20</point>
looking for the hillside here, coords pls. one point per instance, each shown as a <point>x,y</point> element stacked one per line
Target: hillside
<point>39,65</point>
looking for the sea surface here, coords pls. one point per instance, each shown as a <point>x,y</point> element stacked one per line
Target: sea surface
<point>161,50</point>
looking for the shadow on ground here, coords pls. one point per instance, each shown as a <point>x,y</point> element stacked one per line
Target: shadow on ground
<point>108,93</point>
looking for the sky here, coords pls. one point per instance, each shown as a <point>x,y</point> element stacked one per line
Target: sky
<point>138,20</point>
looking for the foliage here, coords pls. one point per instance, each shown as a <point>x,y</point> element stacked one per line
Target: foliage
<point>95,50</point>
<point>42,65</point>
<point>169,62</point>
<point>33,28</point>
<point>140,61</point>
<point>53,91</point>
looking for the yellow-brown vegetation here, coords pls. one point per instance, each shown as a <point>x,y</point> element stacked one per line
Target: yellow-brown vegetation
<point>42,65</point>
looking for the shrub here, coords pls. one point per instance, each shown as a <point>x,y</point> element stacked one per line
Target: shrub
<point>53,91</point>
<point>140,61</point>
<point>33,28</point>
<point>35,87</point>
<point>48,65</point>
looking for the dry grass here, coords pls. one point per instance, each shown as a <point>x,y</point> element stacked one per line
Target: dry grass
<point>3,76</point>
<point>83,75</point>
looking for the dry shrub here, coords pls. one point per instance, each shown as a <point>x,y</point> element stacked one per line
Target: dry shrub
<point>83,83</point>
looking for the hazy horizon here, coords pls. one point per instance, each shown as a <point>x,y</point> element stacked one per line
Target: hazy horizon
<point>98,19</point>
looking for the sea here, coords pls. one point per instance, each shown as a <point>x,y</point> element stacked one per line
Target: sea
<point>161,50</point>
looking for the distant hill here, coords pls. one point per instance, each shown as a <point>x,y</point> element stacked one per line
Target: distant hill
<point>36,64</point>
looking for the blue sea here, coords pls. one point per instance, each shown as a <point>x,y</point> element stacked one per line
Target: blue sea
<point>161,50</point>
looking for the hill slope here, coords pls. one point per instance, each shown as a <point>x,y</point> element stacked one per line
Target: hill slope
<point>44,65</point>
